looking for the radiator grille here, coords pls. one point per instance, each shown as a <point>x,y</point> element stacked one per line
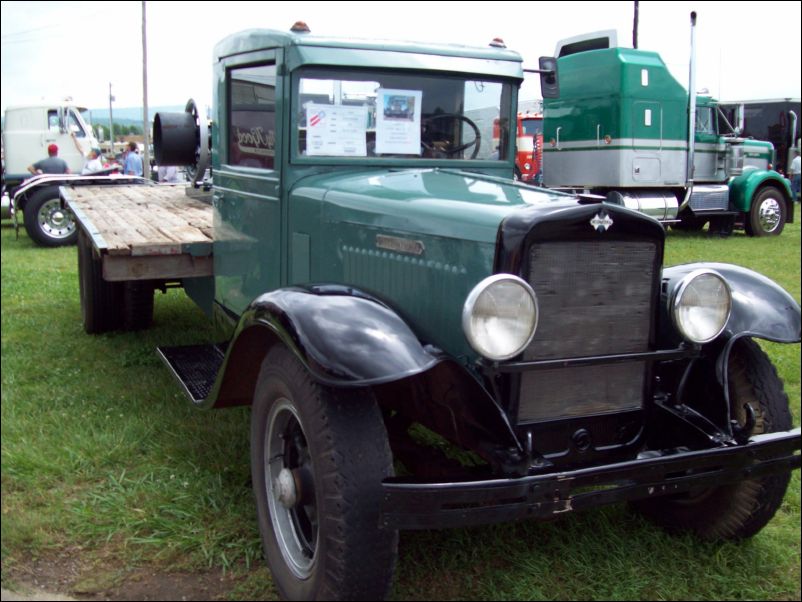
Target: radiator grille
<point>595,298</point>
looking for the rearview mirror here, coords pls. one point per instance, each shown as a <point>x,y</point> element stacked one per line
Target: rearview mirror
<point>549,82</point>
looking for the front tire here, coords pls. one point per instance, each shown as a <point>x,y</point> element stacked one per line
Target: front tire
<point>318,457</point>
<point>739,510</point>
<point>767,214</point>
<point>46,221</point>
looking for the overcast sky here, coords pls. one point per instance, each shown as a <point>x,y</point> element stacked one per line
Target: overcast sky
<point>54,49</point>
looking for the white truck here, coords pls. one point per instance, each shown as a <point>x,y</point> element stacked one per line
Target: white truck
<point>27,132</point>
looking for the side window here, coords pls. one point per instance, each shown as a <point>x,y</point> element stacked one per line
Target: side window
<point>75,126</point>
<point>252,116</point>
<point>704,121</point>
<point>52,121</point>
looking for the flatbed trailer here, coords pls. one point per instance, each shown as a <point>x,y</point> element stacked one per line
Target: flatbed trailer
<point>134,239</point>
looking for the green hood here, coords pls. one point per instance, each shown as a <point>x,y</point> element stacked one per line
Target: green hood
<point>418,239</point>
<point>429,202</point>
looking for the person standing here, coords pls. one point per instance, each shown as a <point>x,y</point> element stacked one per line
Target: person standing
<point>133,162</point>
<point>52,164</point>
<point>794,173</point>
<point>95,162</point>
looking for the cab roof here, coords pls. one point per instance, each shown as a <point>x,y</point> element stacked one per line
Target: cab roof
<point>306,48</point>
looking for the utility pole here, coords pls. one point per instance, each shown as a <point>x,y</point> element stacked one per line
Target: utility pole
<point>635,26</point>
<point>146,172</point>
<point>111,121</point>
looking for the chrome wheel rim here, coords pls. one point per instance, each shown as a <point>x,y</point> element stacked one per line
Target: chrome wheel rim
<point>769,214</point>
<point>289,483</point>
<point>54,220</point>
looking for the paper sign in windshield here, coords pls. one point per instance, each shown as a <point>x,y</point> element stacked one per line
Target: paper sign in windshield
<point>336,130</point>
<point>398,121</point>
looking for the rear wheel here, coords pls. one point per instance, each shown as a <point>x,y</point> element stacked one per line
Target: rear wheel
<point>46,221</point>
<point>100,300</point>
<point>739,510</point>
<point>137,308</point>
<point>318,458</point>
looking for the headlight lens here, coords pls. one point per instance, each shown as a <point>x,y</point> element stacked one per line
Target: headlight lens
<point>702,305</point>
<point>500,316</point>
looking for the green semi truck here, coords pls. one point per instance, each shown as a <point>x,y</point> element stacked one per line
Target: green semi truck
<point>619,127</point>
<point>381,286</point>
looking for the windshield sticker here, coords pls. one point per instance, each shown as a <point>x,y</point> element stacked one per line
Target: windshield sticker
<point>398,121</point>
<point>336,130</point>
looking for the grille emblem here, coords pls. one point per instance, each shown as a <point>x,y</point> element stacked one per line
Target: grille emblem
<point>601,222</point>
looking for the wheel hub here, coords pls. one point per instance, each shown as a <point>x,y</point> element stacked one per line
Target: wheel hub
<point>285,488</point>
<point>56,221</point>
<point>770,213</point>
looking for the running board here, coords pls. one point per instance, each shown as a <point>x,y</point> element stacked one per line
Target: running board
<point>195,367</point>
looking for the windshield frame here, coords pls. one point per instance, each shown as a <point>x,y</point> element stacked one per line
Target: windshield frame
<point>507,101</point>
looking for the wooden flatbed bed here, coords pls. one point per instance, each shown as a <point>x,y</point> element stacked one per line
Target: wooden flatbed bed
<point>142,232</point>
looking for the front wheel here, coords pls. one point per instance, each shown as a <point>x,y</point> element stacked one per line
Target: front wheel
<point>47,222</point>
<point>318,457</point>
<point>767,215</point>
<point>742,509</point>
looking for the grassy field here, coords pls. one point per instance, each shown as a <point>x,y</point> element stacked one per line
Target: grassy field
<point>107,472</point>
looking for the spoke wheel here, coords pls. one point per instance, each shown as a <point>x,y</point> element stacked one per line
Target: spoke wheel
<point>318,458</point>
<point>290,488</point>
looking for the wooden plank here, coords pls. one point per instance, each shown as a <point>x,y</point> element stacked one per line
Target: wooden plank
<point>140,220</point>
<point>119,268</point>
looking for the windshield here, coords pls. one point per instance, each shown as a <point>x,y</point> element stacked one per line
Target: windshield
<point>532,126</point>
<point>351,113</point>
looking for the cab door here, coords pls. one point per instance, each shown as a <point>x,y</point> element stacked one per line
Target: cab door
<point>708,154</point>
<point>247,180</point>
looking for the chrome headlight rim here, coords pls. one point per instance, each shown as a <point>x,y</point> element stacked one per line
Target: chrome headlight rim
<point>676,298</point>
<point>470,304</point>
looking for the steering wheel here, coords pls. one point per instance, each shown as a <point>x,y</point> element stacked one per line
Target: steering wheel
<point>430,133</point>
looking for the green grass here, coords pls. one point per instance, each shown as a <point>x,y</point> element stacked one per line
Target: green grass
<point>102,454</point>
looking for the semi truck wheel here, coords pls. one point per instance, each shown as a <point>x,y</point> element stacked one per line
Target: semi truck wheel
<point>767,214</point>
<point>318,458</point>
<point>100,300</point>
<point>46,221</point>
<point>742,509</point>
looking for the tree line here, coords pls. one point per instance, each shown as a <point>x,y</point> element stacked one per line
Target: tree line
<point>121,130</point>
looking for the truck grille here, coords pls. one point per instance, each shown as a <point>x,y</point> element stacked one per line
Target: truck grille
<point>595,298</point>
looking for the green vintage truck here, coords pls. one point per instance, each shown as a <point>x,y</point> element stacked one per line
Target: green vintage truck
<point>380,284</point>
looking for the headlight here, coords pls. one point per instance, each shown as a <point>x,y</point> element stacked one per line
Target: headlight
<point>527,166</point>
<point>500,316</point>
<point>701,305</point>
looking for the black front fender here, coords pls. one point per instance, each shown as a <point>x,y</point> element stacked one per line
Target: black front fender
<point>345,338</point>
<point>761,308</point>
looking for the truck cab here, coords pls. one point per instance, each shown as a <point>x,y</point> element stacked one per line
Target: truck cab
<point>619,128</point>
<point>528,147</point>
<point>29,130</point>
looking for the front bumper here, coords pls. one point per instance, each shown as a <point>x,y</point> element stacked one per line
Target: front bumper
<point>414,505</point>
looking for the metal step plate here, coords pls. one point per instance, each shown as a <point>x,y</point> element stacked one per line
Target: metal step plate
<point>195,368</point>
